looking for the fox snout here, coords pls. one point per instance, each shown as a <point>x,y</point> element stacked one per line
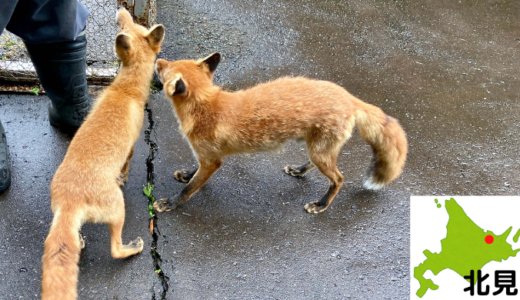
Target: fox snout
<point>160,64</point>
<point>157,76</point>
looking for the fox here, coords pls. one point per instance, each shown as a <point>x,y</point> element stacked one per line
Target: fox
<point>323,114</point>
<point>87,185</point>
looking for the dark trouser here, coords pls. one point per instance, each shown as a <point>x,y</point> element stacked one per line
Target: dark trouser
<point>43,21</point>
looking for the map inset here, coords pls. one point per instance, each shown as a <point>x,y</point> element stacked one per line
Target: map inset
<point>466,247</point>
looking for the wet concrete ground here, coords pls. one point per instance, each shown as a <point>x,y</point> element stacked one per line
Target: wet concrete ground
<point>448,70</point>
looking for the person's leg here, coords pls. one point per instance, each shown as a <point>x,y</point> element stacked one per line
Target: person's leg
<point>61,68</point>
<point>53,33</point>
<point>60,65</point>
<point>7,8</point>
<point>5,176</point>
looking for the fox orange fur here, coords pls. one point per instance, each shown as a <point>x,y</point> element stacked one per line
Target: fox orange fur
<point>321,113</point>
<point>86,186</point>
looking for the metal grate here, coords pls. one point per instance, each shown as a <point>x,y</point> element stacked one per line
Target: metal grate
<point>102,64</point>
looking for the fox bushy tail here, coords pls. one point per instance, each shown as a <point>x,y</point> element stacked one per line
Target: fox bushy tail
<point>60,258</point>
<point>388,141</point>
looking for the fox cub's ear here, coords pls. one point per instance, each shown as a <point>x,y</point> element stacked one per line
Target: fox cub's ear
<point>212,61</point>
<point>123,46</point>
<point>155,37</point>
<point>176,87</point>
<point>123,17</point>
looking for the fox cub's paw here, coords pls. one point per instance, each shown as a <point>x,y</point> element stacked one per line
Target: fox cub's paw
<point>182,176</point>
<point>294,171</point>
<point>314,207</point>
<point>136,244</point>
<point>164,204</point>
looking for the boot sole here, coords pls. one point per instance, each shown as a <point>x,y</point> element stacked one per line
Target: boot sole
<point>62,128</point>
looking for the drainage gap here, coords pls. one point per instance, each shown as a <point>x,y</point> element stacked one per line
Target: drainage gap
<point>148,191</point>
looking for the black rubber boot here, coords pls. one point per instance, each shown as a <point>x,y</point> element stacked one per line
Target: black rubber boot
<point>61,68</point>
<point>5,176</point>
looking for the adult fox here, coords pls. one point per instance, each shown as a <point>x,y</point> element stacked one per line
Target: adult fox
<point>85,187</point>
<point>321,113</point>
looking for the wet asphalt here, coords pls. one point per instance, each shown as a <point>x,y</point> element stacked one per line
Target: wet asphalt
<point>448,70</point>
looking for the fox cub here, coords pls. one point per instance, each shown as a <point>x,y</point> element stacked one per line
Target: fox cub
<point>86,186</point>
<point>321,113</point>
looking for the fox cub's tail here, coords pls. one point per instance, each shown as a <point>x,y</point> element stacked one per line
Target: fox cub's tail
<point>60,259</point>
<point>388,142</point>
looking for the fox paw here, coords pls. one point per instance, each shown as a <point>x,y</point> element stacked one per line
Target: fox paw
<point>136,244</point>
<point>293,171</point>
<point>182,176</point>
<point>314,207</point>
<point>164,204</point>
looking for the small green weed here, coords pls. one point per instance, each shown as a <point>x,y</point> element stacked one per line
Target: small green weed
<point>35,91</point>
<point>148,192</point>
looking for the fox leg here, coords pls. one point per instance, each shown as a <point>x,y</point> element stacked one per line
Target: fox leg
<point>115,225</point>
<point>204,172</point>
<point>326,163</point>
<point>123,177</point>
<point>299,171</point>
<point>184,175</point>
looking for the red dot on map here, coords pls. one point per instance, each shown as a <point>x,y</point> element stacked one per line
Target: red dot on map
<point>489,239</point>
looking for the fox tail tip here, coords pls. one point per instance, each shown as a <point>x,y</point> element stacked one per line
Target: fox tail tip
<point>371,185</point>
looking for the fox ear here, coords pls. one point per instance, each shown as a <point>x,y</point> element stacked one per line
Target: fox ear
<point>123,45</point>
<point>212,61</point>
<point>155,37</point>
<point>176,87</point>
<point>122,17</point>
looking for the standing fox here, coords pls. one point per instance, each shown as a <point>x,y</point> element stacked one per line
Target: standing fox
<point>85,187</point>
<point>321,113</point>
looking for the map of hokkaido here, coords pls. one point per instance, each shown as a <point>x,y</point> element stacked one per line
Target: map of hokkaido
<point>466,247</point>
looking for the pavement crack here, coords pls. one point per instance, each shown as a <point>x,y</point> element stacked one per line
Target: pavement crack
<point>148,191</point>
